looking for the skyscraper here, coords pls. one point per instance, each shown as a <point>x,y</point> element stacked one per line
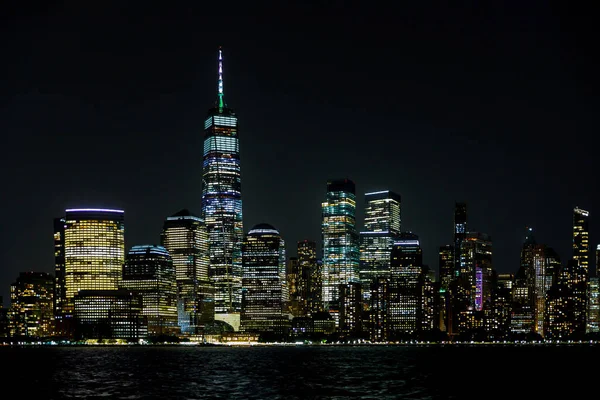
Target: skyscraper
<point>309,281</point>
<point>340,241</point>
<point>30,313</point>
<point>404,288</point>
<point>185,238</point>
<point>92,243</point>
<point>222,204</point>
<point>149,272</point>
<point>581,237</point>
<point>581,255</point>
<point>264,288</point>
<point>382,227</point>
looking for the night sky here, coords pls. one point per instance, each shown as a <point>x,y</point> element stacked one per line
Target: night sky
<point>495,105</point>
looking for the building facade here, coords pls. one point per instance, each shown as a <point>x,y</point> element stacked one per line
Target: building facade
<point>32,302</point>
<point>185,238</point>
<point>264,287</point>
<point>340,242</point>
<point>149,273</point>
<point>89,245</point>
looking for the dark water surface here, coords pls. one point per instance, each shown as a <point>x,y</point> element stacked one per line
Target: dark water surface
<point>303,372</point>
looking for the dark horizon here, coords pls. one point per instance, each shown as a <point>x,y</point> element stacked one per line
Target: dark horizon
<point>103,106</point>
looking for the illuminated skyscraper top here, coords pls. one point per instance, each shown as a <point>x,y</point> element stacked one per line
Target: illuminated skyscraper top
<point>382,212</point>
<point>222,204</point>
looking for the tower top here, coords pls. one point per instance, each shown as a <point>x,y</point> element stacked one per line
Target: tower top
<point>220,101</point>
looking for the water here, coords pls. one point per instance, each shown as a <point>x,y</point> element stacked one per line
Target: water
<point>302,372</point>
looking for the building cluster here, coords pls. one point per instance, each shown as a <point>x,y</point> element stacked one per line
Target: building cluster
<point>210,280</point>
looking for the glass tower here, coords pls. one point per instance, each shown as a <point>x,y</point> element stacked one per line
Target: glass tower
<point>382,227</point>
<point>185,238</point>
<point>222,205</point>
<point>264,285</point>
<point>340,240</point>
<point>149,272</point>
<point>93,241</point>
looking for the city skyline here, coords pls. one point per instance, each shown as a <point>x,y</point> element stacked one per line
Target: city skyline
<point>70,170</point>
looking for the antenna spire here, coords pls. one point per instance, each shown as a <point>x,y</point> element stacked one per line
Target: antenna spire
<point>220,86</point>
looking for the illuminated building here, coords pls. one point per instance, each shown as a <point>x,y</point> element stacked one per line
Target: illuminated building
<point>149,272</point>
<point>476,267</point>
<point>222,205</point>
<point>264,288</point>
<point>581,237</point>
<point>340,241</point>
<point>89,252</point>
<point>109,314</point>
<point>461,286</point>
<point>350,324</point>
<point>428,308</point>
<point>581,250</point>
<point>447,276</point>
<point>292,272</point>
<point>32,301</point>
<point>593,312</point>
<point>460,232</point>
<point>309,285</point>
<point>382,227</point>
<point>60,293</point>
<point>379,310</point>
<point>184,236</point>
<point>524,318</point>
<point>404,306</point>
<point>561,323</point>
<point>498,322</point>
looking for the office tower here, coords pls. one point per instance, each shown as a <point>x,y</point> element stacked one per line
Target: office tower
<point>149,273</point>
<point>264,288</point>
<point>382,227</point>
<point>593,310</point>
<point>307,260</point>
<point>379,310</point>
<point>581,237</point>
<point>498,326</point>
<point>32,301</point>
<point>89,253</point>
<point>460,232</point>
<point>109,314</point>
<point>292,272</point>
<point>309,278</point>
<point>340,241</point>
<point>562,320</point>
<point>351,310</point>
<point>60,294</point>
<point>524,316</point>
<point>404,306</point>
<point>476,267</point>
<point>447,277</point>
<point>581,250</point>
<point>184,236</point>
<point>428,308</point>
<point>222,205</point>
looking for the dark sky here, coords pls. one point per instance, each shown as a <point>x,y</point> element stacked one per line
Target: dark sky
<point>493,104</point>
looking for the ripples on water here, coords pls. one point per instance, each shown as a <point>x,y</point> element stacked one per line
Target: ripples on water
<point>303,372</point>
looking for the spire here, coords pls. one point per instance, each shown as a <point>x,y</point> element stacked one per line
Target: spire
<point>221,102</point>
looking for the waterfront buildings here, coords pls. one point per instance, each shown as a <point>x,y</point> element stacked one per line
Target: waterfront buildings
<point>185,238</point>
<point>222,205</point>
<point>149,273</point>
